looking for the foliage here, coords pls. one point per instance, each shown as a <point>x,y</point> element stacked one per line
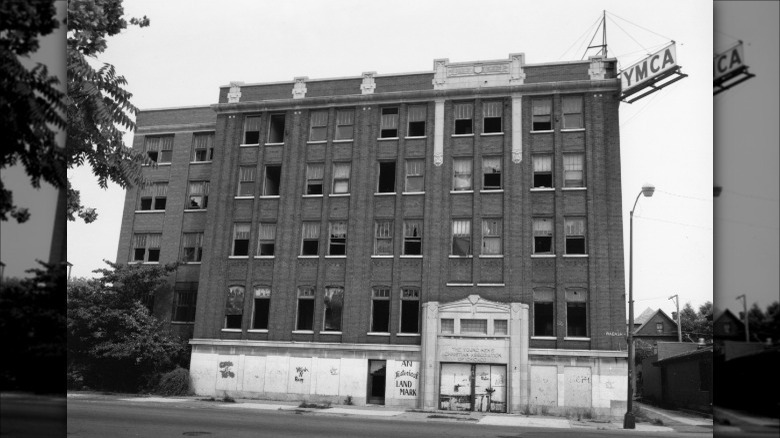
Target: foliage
<point>695,324</point>
<point>114,343</point>
<point>176,382</point>
<point>763,325</point>
<point>32,321</point>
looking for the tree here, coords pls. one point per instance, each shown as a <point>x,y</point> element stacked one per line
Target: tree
<point>114,342</point>
<point>695,324</point>
<point>763,325</point>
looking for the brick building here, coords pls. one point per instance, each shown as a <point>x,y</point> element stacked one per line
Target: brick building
<point>448,239</point>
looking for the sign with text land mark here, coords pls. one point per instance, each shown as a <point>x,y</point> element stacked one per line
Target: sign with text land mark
<point>648,68</point>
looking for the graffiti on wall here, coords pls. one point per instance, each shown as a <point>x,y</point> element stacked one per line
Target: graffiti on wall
<point>299,373</point>
<point>407,378</point>
<point>224,369</point>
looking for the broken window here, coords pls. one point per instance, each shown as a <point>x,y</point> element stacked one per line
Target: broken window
<point>491,117</point>
<point>575,235</point>
<point>464,118</point>
<point>576,313</point>
<point>389,123</point>
<point>276,128</point>
<point>491,173</point>
<point>234,307</point>
<point>192,247</point>
<point>345,121</point>
<point>198,196</point>
<point>544,321</point>
<point>159,148</point>
<point>491,236</point>
<point>266,239</point>
<point>414,176</point>
<point>543,236</point>
<point>185,295</point>
<point>240,240</point>
<point>461,237</point>
<point>202,147</point>
<point>305,317</point>
<point>386,177</point>
<point>314,174</point>
<point>246,180</point>
<point>543,175</point>
<point>380,310</point>
<point>318,130</point>
<point>333,301</point>
<point>154,196</point>
<point>572,112</point>
<point>416,116</point>
<point>311,238</point>
<point>262,306</point>
<point>146,247</point>
<point>383,237</point>
<point>413,237</point>
<point>341,173</point>
<point>338,238</point>
<point>541,115</point>
<point>461,174</point>
<point>573,170</point>
<point>252,130</point>
<point>273,178</point>
<point>410,310</point>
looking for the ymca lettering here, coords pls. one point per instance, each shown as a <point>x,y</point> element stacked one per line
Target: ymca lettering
<point>649,67</point>
<point>727,61</point>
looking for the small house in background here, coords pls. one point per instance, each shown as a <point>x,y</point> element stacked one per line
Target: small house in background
<point>652,326</point>
<point>727,327</point>
<point>679,376</point>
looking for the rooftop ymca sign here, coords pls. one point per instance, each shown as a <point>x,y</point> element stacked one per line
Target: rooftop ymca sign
<point>649,72</point>
<point>729,69</point>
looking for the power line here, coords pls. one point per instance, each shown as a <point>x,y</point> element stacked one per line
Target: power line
<point>673,222</point>
<point>629,35</point>
<point>655,33</point>
<point>587,31</point>
<point>744,195</point>
<point>683,196</point>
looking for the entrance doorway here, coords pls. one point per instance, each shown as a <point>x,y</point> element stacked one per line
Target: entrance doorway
<point>472,387</point>
<point>377,370</point>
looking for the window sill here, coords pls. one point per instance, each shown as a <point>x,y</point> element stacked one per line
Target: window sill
<point>274,144</point>
<point>235,257</point>
<point>491,256</point>
<point>491,191</point>
<point>489,134</point>
<point>243,197</point>
<point>460,284</point>
<point>150,263</point>
<point>542,189</point>
<point>456,192</point>
<point>415,137</point>
<point>194,210</point>
<point>576,256</point>
<point>574,188</point>
<point>269,196</point>
<point>385,193</point>
<point>378,334</point>
<point>303,332</point>
<point>573,338</point>
<point>491,284</point>
<point>386,138</point>
<point>182,322</point>
<point>200,162</point>
<point>546,131</point>
<point>338,195</point>
<point>544,338</point>
<point>227,330</point>
<point>542,256</point>
<point>572,129</point>
<point>308,256</point>
<point>454,256</point>
<point>382,256</point>
<point>330,333</point>
<point>257,331</point>
<point>336,256</point>
<point>462,135</point>
<point>149,211</point>
<point>409,335</point>
<point>316,141</point>
<point>411,256</point>
<point>266,257</point>
<point>191,263</point>
<point>313,196</point>
<point>412,193</point>
<point>344,140</point>
<point>248,145</point>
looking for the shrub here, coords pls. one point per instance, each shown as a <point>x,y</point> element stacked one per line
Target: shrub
<point>176,382</point>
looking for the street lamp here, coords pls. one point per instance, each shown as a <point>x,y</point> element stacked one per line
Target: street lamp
<point>744,312</point>
<point>629,422</point>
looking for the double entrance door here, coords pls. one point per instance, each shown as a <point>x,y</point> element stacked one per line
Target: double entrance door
<point>472,387</point>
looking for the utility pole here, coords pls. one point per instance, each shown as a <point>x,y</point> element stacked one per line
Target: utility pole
<point>744,310</point>
<point>679,327</point>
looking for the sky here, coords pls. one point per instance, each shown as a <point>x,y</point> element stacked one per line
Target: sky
<point>191,48</point>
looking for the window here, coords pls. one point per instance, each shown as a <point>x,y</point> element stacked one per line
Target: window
<point>185,295</point>
<point>461,237</point>
<point>386,177</point>
<point>345,124</point>
<point>447,326</point>
<point>192,247</point>
<point>659,327</point>
<point>311,238</point>
<point>491,173</point>
<point>198,195</point>
<point>461,174</point>
<point>542,115</point>
<point>543,176</point>
<point>153,196</point>
<point>273,177</point>
<point>573,170</point>
<point>234,307</point>
<point>338,238</point>
<point>276,128</point>
<point>341,177</point>
<point>252,130</point>
<point>491,236</point>
<point>415,181</point>
<point>491,117</point>
<point>240,239</point>
<point>246,180</point>
<point>318,129</point>
<point>333,301</point>
<point>146,247</point>
<point>262,308</point>
<point>417,114</point>
<point>727,328</point>
<point>413,237</point>
<point>575,235</point>
<point>473,326</point>
<point>314,173</point>
<point>305,319</point>
<point>410,310</point>
<point>576,320</point>
<point>383,238</point>
<point>572,112</point>
<point>500,327</point>
<point>389,123</point>
<point>159,149</point>
<point>203,147</point>
<point>380,310</point>
<point>544,321</point>
<point>543,236</point>
<point>464,118</point>
<point>266,239</point>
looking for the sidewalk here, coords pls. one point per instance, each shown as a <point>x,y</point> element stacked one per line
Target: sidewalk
<point>677,420</point>
<point>732,420</point>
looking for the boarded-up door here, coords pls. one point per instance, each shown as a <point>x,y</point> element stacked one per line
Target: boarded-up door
<point>577,387</point>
